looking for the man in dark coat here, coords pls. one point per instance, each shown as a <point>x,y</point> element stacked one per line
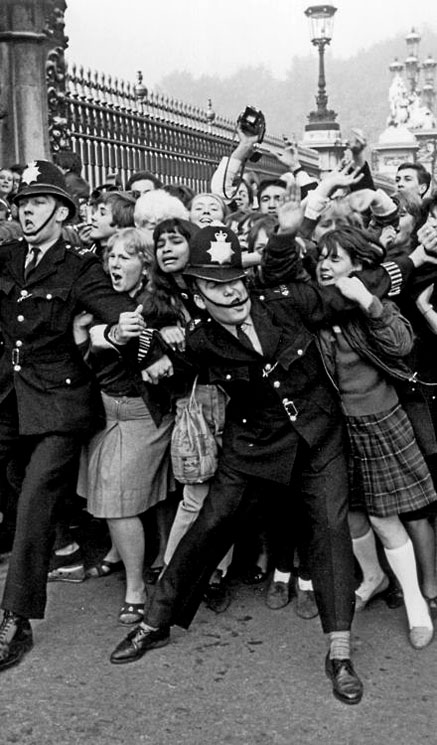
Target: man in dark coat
<point>283,425</point>
<point>48,398</point>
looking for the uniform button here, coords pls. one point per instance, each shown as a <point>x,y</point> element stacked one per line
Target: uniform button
<point>17,368</point>
<point>244,421</point>
<point>49,296</point>
<point>228,377</point>
<point>300,352</point>
<point>20,319</point>
<point>251,444</point>
<point>268,366</point>
<point>18,343</point>
<point>68,381</point>
<point>24,293</point>
<point>262,297</point>
<point>276,384</point>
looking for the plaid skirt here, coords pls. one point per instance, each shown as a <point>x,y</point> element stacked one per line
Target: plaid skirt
<point>389,475</point>
<point>125,469</point>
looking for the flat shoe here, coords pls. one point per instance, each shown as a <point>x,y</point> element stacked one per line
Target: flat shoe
<point>131,613</point>
<point>254,576</point>
<point>420,636</point>
<point>346,685</point>
<point>103,568</point>
<point>360,603</point>
<point>138,642</point>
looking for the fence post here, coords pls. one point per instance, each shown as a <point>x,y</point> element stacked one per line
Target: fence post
<point>28,30</point>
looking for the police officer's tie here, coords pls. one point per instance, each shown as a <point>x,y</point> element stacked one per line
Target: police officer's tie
<point>31,264</point>
<point>243,337</point>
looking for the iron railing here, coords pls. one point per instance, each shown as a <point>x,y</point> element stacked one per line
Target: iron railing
<point>119,127</point>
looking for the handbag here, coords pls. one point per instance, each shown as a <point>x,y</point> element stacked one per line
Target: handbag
<point>193,446</point>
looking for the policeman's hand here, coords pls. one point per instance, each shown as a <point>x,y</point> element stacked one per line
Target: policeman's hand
<point>130,324</point>
<point>290,213</point>
<point>174,336</point>
<point>353,289</point>
<point>162,368</point>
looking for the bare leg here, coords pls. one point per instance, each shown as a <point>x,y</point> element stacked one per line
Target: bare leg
<point>422,535</point>
<point>127,535</point>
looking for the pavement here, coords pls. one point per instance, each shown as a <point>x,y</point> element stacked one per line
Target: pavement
<point>249,676</point>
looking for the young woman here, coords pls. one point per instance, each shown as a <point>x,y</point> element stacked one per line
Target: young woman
<point>365,355</point>
<point>126,469</point>
<point>169,296</point>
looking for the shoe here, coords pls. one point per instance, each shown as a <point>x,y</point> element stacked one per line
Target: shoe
<point>67,568</point>
<point>131,613</point>
<point>306,603</point>
<point>254,576</point>
<point>138,642</point>
<point>151,575</point>
<point>103,568</point>
<point>360,602</point>
<point>346,685</point>
<point>278,595</point>
<point>217,596</point>
<point>15,639</point>
<point>393,596</point>
<point>421,636</point>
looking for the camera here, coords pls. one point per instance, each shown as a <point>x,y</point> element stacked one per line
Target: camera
<point>252,122</point>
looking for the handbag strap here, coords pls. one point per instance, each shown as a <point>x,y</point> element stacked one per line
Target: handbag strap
<point>193,392</point>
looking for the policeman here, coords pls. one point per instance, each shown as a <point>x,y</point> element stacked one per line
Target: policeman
<point>47,396</point>
<point>283,425</point>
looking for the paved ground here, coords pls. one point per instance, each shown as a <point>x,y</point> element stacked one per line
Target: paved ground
<point>250,676</point>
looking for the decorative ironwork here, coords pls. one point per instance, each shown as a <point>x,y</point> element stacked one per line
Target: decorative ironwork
<point>56,75</point>
<point>116,126</point>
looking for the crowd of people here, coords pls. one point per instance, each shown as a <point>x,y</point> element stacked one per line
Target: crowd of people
<point>300,314</point>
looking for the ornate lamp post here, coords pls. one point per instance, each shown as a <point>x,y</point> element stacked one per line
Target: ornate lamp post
<point>321,18</point>
<point>322,133</point>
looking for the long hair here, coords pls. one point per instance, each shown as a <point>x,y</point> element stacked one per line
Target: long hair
<point>355,242</point>
<point>164,294</point>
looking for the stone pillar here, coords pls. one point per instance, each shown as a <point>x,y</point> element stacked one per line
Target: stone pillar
<point>26,36</point>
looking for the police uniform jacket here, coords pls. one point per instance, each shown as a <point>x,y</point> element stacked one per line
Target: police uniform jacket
<point>279,398</point>
<point>54,387</point>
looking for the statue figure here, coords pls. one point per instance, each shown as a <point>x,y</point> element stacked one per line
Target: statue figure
<point>399,103</point>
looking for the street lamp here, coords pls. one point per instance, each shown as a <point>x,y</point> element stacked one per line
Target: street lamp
<point>321,19</point>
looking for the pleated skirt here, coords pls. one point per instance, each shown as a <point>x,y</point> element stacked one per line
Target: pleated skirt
<point>389,475</point>
<point>125,469</point>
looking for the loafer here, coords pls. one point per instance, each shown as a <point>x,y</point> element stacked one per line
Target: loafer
<point>306,603</point>
<point>138,642</point>
<point>278,595</point>
<point>217,596</point>
<point>15,639</point>
<point>346,685</point>
<point>421,636</point>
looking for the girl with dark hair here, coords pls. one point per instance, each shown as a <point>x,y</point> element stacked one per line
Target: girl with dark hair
<point>365,356</point>
<point>170,296</point>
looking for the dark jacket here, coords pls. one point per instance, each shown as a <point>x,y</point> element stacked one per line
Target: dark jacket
<point>41,363</point>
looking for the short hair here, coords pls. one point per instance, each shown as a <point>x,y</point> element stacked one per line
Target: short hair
<point>69,160</point>
<point>134,241</point>
<point>423,176</point>
<point>122,207</point>
<point>157,205</point>
<point>144,176</point>
<point>182,192</point>
<point>355,242</point>
<point>265,183</point>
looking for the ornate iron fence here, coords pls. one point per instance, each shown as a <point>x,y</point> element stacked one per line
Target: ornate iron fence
<point>119,127</point>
